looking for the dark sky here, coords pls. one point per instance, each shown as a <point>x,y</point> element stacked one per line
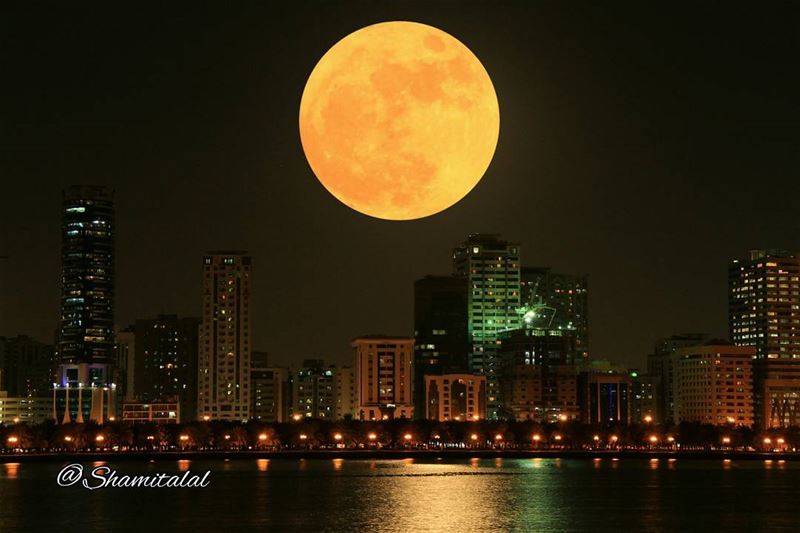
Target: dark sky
<point>643,146</point>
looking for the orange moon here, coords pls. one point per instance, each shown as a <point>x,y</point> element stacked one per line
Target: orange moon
<point>399,120</point>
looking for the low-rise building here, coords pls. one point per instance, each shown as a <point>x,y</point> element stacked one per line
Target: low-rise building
<point>156,413</point>
<point>455,397</point>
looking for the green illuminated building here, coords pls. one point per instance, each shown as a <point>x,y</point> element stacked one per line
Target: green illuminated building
<point>492,269</point>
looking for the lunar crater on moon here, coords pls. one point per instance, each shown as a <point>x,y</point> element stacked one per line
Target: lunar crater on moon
<point>399,120</point>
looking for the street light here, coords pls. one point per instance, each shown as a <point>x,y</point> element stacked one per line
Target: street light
<point>184,438</point>
<point>474,436</point>
<point>648,419</point>
<point>16,420</point>
<point>13,440</point>
<point>726,440</point>
<point>67,439</point>
<point>653,439</point>
<point>206,418</point>
<point>537,437</point>
<point>372,436</point>
<point>303,436</point>
<point>596,438</point>
<point>297,417</point>
<point>557,437</point>
<point>407,436</point>
<point>99,438</point>
<point>262,437</point>
<point>562,417</point>
<point>498,437</point>
<point>337,436</point>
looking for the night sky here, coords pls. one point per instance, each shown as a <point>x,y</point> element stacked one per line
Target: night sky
<point>643,146</point>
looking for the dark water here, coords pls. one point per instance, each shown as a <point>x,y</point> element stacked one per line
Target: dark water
<point>417,496</point>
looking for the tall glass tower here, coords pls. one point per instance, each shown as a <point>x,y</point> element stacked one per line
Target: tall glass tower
<point>492,269</point>
<point>86,332</point>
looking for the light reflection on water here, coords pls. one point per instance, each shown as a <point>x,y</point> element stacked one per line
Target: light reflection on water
<point>472,495</point>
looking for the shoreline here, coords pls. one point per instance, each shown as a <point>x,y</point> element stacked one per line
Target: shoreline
<point>431,455</point>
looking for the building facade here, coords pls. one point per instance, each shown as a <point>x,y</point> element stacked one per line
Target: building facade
<point>713,384</point>
<point>25,409</point>
<point>165,363</point>
<point>644,397</point>
<point>224,368</point>
<point>776,390</point>
<point>604,397</point>
<point>557,301</point>
<point>28,366</point>
<point>455,397</point>
<point>440,331</point>
<point>314,390</point>
<point>86,332</point>
<point>491,267</point>
<point>384,375</point>
<point>151,413</point>
<point>659,368</point>
<point>269,388</point>
<point>764,303</point>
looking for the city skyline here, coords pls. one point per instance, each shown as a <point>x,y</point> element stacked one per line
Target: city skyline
<point>637,193</point>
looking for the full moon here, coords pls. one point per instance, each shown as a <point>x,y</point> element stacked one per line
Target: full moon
<point>399,120</point>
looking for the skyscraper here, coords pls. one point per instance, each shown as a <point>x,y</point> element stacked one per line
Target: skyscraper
<point>86,333</point>
<point>492,269</point>
<point>557,301</point>
<point>165,364</point>
<point>224,370</point>
<point>86,337</point>
<point>764,312</point>
<point>384,377</point>
<point>440,331</point>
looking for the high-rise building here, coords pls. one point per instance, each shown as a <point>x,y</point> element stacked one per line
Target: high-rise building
<point>713,384</point>
<point>764,303</point>
<point>764,312</point>
<point>557,301</point>
<point>491,267</point>
<point>440,331</point>
<point>224,369</point>
<point>384,377</point>
<point>458,397</point>
<point>86,333</point>
<point>659,368</point>
<point>165,363</point>
<point>28,366</point>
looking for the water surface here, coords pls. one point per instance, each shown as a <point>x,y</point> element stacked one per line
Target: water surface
<point>416,496</point>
